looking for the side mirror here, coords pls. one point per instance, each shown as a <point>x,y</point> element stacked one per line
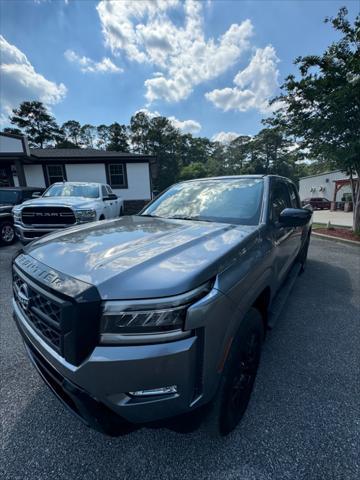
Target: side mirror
<point>111,196</point>
<point>308,207</point>
<point>36,195</point>
<point>295,217</point>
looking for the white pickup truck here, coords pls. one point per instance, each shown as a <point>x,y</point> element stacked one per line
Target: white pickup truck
<point>65,204</point>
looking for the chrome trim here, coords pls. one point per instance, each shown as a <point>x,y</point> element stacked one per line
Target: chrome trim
<point>141,339</point>
<point>32,335</point>
<point>113,307</point>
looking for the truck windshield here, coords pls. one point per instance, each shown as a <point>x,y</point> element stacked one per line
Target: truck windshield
<point>9,197</point>
<point>66,190</point>
<point>234,200</point>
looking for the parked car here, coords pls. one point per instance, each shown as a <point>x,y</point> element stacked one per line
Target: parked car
<point>162,314</point>
<point>317,203</point>
<point>10,196</point>
<point>64,204</point>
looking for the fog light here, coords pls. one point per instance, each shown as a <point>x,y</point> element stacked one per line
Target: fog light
<point>155,391</point>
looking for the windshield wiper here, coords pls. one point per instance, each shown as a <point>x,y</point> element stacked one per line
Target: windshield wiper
<point>185,217</point>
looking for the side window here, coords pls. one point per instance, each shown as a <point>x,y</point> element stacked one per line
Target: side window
<point>104,192</point>
<point>117,175</point>
<point>55,173</point>
<point>108,189</point>
<point>279,200</point>
<point>293,196</point>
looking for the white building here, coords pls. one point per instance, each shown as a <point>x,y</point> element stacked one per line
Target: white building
<point>323,185</point>
<point>128,174</point>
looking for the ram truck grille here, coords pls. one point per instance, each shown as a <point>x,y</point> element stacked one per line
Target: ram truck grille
<point>48,216</point>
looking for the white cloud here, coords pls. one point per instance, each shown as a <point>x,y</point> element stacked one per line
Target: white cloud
<point>225,137</point>
<point>254,86</point>
<point>182,55</point>
<point>87,65</point>
<point>20,81</point>
<point>185,126</point>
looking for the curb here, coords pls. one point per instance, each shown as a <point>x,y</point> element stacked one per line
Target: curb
<point>337,239</point>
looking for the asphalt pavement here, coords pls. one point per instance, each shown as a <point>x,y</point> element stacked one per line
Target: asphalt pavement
<point>303,421</point>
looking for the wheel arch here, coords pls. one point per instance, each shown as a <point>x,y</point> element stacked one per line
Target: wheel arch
<point>262,304</point>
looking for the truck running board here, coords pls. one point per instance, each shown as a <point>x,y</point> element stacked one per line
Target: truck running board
<point>281,297</point>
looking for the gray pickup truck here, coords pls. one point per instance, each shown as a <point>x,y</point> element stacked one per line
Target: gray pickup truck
<point>160,316</point>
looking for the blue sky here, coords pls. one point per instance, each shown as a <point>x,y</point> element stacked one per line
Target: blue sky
<point>210,66</point>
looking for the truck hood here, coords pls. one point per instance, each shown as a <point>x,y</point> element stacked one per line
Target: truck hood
<point>78,202</point>
<point>6,208</point>
<point>142,257</point>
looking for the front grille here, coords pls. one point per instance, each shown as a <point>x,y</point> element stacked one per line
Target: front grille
<point>63,311</point>
<point>42,313</point>
<point>48,216</point>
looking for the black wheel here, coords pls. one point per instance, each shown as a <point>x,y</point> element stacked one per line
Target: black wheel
<point>121,212</point>
<point>101,217</point>
<point>7,233</point>
<point>238,379</point>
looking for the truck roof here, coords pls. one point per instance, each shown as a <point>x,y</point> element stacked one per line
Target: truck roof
<point>78,183</point>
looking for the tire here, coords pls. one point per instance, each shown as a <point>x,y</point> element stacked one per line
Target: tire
<point>121,213</point>
<point>7,233</point>
<point>233,395</point>
<point>101,218</point>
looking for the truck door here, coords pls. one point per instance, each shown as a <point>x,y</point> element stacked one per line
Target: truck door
<point>113,203</point>
<point>106,202</point>
<point>286,240</point>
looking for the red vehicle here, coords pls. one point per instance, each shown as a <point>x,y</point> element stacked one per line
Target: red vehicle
<point>317,203</point>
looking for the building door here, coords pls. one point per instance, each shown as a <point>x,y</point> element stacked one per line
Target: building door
<point>6,178</point>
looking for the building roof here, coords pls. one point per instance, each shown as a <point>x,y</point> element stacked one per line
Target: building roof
<point>324,173</point>
<point>79,153</point>
<point>22,189</point>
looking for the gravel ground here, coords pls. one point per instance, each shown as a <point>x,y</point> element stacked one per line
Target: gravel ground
<point>302,421</point>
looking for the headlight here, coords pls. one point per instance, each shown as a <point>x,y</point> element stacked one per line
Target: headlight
<point>141,320</point>
<point>83,215</point>
<point>16,214</point>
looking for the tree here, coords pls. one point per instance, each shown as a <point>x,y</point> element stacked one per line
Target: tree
<point>72,130</point>
<point>194,170</point>
<point>33,119</point>
<point>88,135</point>
<point>103,136</point>
<point>322,107</point>
<point>13,131</point>
<point>118,138</point>
<point>139,132</point>
<point>236,154</point>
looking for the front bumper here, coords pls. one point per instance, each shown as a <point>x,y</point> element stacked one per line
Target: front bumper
<point>28,234</point>
<point>97,389</point>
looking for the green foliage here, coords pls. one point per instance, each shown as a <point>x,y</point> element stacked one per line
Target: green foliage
<point>71,131</point>
<point>182,156</point>
<point>88,136</point>
<point>35,121</point>
<point>13,131</point>
<point>117,138</point>
<point>194,170</point>
<point>322,107</point>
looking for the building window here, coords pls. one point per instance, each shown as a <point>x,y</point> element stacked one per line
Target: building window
<point>55,173</point>
<point>117,175</point>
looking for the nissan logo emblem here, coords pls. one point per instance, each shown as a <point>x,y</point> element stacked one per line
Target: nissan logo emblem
<point>23,294</point>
